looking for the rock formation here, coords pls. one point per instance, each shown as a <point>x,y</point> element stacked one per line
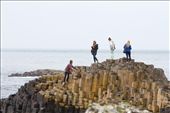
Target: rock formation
<point>39,72</point>
<point>107,82</point>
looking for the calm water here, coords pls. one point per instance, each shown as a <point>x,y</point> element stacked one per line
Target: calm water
<point>21,61</point>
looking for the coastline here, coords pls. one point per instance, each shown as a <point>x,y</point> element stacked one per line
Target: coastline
<point>56,81</point>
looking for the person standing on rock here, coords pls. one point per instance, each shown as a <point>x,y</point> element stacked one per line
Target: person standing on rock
<point>94,49</point>
<point>127,50</point>
<point>112,47</point>
<point>68,71</point>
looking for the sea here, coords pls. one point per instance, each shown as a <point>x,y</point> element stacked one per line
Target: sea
<point>19,61</point>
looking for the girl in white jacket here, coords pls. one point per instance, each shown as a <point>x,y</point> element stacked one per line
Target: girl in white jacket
<point>112,47</point>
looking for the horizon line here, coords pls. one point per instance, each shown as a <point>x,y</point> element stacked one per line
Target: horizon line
<point>9,49</point>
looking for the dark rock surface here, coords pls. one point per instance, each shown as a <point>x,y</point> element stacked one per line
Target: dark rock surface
<point>39,72</point>
<point>28,100</point>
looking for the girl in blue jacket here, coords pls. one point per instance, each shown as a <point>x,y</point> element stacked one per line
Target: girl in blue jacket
<point>127,50</point>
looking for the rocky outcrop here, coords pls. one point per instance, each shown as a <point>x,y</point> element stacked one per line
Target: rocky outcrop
<point>39,72</point>
<point>121,107</point>
<point>107,82</point>
<point>28,99</point>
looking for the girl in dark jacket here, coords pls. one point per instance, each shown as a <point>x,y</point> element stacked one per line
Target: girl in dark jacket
<point>94,49</point>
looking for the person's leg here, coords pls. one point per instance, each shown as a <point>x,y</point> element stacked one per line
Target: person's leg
<point>94,58</point>
<point>67,77</point>
<point>129,55</point>
<point>126,56</point>
<point>112,54</point>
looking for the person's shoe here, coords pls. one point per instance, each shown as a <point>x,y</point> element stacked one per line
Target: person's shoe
<point>63,83</point>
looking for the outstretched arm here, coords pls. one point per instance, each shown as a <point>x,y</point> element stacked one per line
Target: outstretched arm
<point>74,67</point>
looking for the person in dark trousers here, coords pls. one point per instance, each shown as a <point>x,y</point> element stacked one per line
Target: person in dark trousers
<point>94,49</point>
<point>127,50</point>
<point>68,71</point>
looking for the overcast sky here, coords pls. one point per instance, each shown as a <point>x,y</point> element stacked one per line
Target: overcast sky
<point>74,25</point>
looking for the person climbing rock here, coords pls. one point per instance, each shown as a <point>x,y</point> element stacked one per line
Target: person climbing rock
<point>68,70</point>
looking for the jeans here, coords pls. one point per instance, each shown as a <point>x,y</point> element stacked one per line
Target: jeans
<point>128,55</point>
<point>94,58</point>
<point>66,76</point>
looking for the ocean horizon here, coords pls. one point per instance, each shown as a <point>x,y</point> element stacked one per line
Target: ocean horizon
<point>19,61</point>
<point>80,50</point>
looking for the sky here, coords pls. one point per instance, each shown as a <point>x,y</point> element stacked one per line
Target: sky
<point>73,25</point>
